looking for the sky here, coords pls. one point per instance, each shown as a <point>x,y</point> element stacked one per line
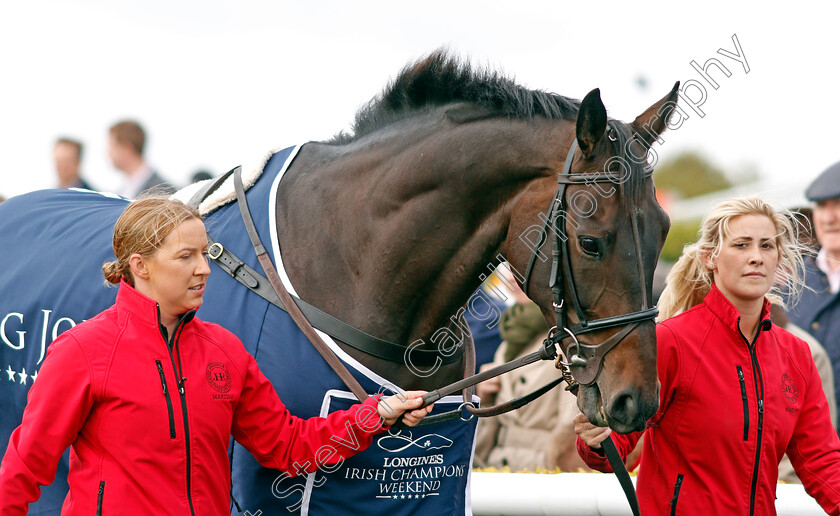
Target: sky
<point>217,83</point>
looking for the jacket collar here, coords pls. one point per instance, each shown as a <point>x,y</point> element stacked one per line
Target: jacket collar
<point>815,278</point>
<point>142,307</point>
<point>724,310</point>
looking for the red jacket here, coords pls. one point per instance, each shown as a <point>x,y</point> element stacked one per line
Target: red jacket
<point>144,442</point>
<point>728,411</point>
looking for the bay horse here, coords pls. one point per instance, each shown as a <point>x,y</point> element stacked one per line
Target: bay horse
<point>445,173</point>
<point>390,228</point>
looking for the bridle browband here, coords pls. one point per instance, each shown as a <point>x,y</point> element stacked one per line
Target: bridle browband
<point>585,361</point>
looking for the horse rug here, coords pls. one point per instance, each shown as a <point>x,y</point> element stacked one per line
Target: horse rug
<point>53,245</point>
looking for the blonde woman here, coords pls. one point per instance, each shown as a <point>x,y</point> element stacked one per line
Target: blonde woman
<point>737,391</point>
<point>147,395</point>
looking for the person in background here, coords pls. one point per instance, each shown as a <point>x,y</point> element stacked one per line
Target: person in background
<point>737,391</point>
<point>200,175</point>
<point>483,314</point>
<point>148,396</point>
<point>821,360</point>
<point>540,434</point>
<point>803,218</point>
<point>818,309</point>
<point>126,143</point>
<point>67,154</point>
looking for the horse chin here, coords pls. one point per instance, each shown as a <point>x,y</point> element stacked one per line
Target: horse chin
<point>623,428</point>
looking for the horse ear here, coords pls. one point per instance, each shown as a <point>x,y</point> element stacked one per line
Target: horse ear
<point>653,122</point>
<point>591,122</point>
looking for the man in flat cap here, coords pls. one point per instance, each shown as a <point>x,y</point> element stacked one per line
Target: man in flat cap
<point>818,310</point>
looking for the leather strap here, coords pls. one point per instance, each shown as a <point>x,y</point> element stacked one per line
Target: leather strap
<point>336,328</point>
<point>547,352</point>
<point>515,403</point>
<point>587,372</point>
<point>469,363</point>
<point>208,188</point>
<point>273,278</point>
<point>621,473</point>
<point>495,410</point>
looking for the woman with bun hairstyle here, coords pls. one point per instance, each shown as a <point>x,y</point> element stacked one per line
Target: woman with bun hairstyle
<point>737,391</point>
<point>147,395</point>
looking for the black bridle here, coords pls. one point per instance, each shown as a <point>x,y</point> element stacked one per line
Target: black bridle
<point>585,361</point>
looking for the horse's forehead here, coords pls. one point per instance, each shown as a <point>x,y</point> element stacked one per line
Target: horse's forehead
<point>598,203</point>
<point>602,207</point>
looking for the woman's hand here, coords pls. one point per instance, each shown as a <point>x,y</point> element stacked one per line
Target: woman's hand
<point>590,434</point>
<point>406,404</point>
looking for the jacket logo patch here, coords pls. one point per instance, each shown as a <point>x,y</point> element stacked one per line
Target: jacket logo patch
<point>218,376</point>
<point>789,389</point>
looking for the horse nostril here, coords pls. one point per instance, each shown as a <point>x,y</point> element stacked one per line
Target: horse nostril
<point>624,406</point>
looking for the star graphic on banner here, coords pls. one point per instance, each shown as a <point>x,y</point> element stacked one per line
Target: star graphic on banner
<point>395,497</point>
<point>34,377</point>
<point>11,372</point>
<point>427,443</point>
<point>23,376</point>
<point>402,497</point>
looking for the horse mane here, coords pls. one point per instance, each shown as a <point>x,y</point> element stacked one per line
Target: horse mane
<point>441,79</point>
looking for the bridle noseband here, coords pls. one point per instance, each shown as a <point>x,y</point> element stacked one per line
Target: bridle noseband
<point>585,361</point>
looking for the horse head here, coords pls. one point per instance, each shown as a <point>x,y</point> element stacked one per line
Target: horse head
<point>585,241</point>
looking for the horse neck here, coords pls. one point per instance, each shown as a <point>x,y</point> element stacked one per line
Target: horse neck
<point>411,224</point>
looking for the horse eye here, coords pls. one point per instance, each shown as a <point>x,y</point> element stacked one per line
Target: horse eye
<point>589,246</point>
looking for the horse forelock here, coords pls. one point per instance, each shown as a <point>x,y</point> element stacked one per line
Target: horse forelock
<point>440,79</point>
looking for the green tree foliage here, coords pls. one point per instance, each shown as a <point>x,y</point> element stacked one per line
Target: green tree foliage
<point>689,174</point>
<point>680,234</point>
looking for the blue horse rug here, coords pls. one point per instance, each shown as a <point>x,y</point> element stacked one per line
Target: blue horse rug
<point>52,246</point>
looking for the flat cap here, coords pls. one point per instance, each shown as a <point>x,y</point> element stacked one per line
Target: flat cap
<point>826,185</point>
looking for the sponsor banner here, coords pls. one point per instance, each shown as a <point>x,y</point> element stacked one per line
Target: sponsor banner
<point>422,470</point>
